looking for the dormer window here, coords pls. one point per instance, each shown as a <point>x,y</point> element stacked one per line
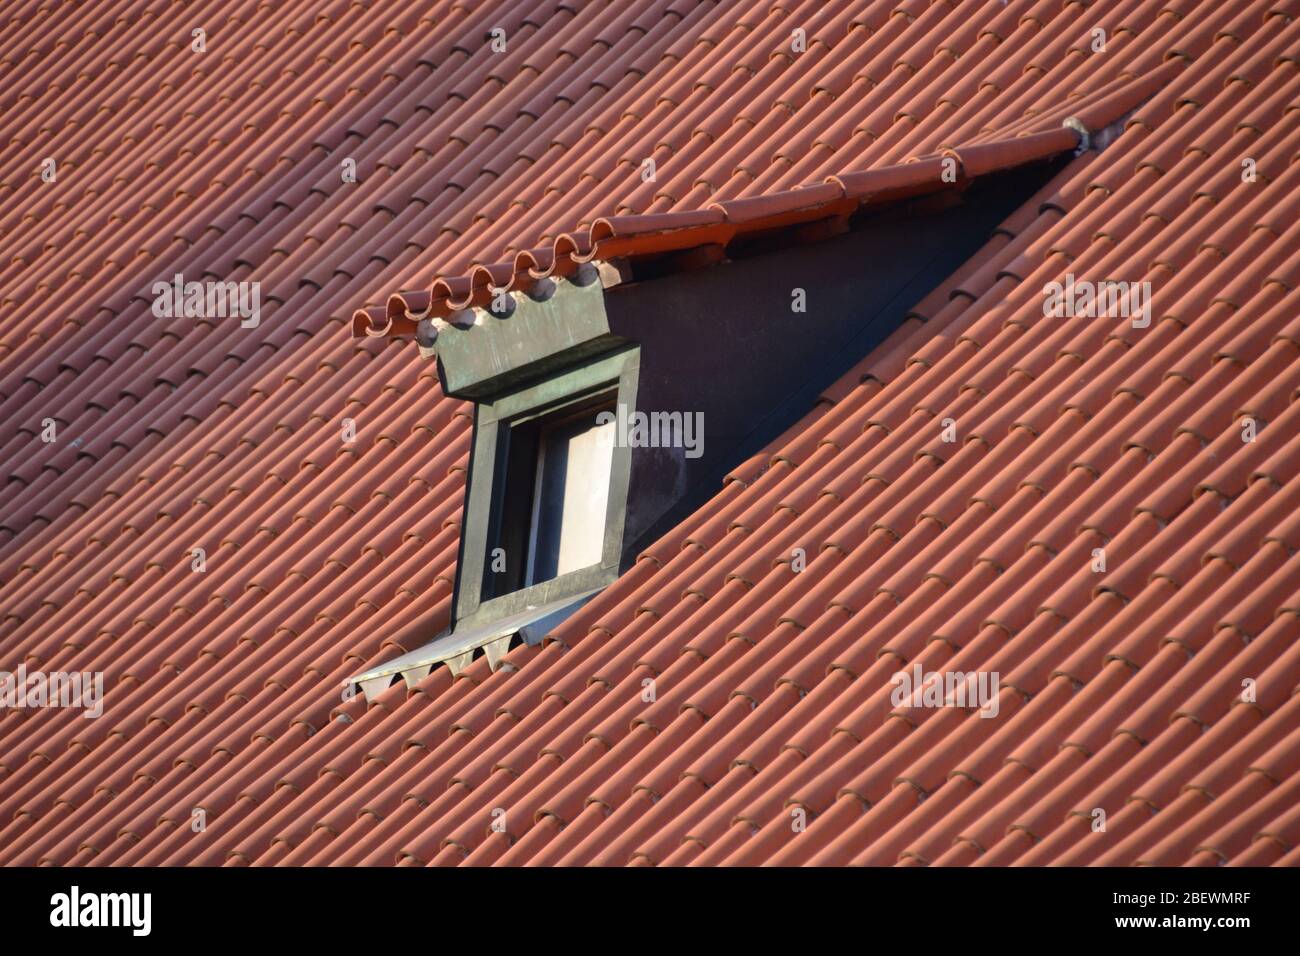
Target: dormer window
<point>547,490</point>
<point>554,494</point>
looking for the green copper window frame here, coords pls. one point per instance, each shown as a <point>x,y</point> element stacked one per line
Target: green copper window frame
<point>616,373</point>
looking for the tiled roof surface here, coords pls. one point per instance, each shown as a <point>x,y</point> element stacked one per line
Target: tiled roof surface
<point>1120,690</point>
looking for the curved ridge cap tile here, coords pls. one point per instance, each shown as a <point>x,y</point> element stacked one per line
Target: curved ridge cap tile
<point>455,292</point>
<point>912,178</point>
<point>657,232</point>
<point>574,246</point>
<point>789,206</point>
<point>1004,154</point>
<point>412,305</point>
<point>535,263</point>
<point>371,321</point>
<point>487,278</point>
<point>630,227</point>
<point>375,322</point>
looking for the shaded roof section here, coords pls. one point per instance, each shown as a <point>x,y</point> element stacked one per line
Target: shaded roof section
<point>1120,690</point>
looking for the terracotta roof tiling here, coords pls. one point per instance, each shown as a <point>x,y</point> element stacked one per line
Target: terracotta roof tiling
<point>323,475</point>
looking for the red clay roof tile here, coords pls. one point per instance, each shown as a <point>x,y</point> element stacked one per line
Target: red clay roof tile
<point>1122,688</point>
